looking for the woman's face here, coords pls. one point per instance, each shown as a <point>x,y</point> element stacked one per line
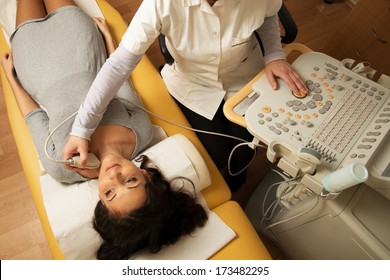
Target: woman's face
<point>122,186</point>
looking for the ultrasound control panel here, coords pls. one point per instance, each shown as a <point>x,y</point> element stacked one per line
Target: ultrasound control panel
<point>345,117</point>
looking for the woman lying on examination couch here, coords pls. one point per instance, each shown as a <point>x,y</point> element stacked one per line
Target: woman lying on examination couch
<point>57,51</point>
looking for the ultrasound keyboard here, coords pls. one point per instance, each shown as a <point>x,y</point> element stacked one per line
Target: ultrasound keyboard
<point>344,118</point>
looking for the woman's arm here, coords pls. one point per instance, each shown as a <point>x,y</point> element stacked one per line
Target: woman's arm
<point>25,102</point>
<point>105,30</point>
<point>38,124</point>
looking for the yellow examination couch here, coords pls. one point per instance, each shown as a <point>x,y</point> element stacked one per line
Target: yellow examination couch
<point>148,83</point>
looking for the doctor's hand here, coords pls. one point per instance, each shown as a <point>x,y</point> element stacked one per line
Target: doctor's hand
<point>76,145</point>
<point>282,69</point>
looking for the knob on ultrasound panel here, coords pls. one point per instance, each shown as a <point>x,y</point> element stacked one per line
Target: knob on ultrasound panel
<point>299,94</point>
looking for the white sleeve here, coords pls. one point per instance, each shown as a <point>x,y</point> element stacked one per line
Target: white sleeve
<point>110,78</point>
<point>269,33</point>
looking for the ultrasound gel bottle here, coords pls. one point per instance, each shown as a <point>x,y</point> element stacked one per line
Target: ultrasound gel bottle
<point>346,177</point>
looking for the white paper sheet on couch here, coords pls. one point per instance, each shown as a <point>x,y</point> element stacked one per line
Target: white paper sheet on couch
<point>70,211</point>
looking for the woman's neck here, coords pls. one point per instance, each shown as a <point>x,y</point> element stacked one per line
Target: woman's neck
<point>112,139</point>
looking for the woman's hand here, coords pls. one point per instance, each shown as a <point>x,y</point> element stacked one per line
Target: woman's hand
<point>7,62</point>
<point>105,30</point>
<point>76,145</point>
<point>25,102</point>
<point>103,27</point>
<point>282,69</point>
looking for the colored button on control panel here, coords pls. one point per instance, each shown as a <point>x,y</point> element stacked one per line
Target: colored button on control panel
<point>266,109</point>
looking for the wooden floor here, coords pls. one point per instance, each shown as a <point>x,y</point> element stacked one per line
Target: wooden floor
<point>21,235</point>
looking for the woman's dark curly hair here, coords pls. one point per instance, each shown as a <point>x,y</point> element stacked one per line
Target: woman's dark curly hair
<point>167,215</point>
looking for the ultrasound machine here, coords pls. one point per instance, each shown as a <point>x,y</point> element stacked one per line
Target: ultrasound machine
<point>327,195</point>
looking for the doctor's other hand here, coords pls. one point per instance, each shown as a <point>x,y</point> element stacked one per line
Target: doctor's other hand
<point>76,145</point>
<point>282,69</point>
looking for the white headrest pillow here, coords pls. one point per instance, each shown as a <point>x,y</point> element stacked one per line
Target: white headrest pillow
<point>165,157</point>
